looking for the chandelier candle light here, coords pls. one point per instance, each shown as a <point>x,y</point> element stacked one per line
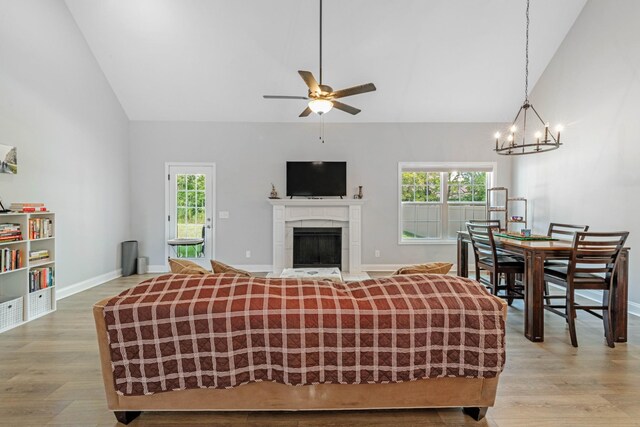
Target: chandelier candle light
<point>511,146</point>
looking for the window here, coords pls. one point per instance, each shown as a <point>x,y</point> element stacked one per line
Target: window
<point>437,200</point>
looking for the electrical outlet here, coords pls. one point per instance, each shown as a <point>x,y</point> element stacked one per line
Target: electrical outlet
<point>377,253</point>
<point>247,254</point>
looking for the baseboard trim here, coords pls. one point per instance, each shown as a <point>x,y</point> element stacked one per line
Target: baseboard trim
<point>161,268</point>
<point>381,267</point>
<point>633,308</point>
<point>394,267</point>
<point>253,268</point>
<point>67,291</point>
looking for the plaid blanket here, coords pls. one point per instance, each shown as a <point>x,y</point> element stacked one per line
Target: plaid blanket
<point>177,332</point>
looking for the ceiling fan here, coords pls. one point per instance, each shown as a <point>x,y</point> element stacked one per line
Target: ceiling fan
<point>323,97</point>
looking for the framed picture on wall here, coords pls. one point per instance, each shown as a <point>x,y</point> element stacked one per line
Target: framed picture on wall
<point>8,159</point>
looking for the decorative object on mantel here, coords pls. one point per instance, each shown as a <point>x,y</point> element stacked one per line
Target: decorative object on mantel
<point>8,159</point>
<point>323,98</point>
<point>274,192</point>
<point>544,140</point>
<point>359,195</point>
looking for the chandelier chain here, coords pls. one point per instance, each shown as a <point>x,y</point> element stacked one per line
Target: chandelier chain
<point>526,67</point>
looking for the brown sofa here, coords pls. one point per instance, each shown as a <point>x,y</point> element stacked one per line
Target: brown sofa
<point>475,395</point>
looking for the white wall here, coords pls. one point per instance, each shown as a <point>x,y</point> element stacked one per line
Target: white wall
<point>250,156</point>
<point>71,133</point>
<point>592,85</point>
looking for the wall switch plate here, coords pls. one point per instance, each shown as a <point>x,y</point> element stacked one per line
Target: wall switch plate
<point>377,253</point>
<point>223,214</point>
<point>247,254</point>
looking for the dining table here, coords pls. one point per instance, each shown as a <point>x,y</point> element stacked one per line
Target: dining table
<point>535,253</point>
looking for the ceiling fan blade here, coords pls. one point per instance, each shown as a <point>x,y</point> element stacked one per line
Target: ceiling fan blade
<point>355,90</point>
<point>311,81</point>
<point>346,108</point>
<point>306,112</point>
<point>283,97</point>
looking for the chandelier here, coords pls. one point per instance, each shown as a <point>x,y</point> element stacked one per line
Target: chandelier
<point>516,142</point>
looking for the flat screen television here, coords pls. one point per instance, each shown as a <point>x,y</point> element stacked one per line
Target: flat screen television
<point>316,179</point>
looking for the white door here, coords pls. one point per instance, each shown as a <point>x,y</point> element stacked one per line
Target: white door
<point>190,193</point>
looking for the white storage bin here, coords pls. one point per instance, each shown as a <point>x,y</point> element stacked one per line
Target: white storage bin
<point>142,265</point>
<point>39,302</point>
<point>10,312</point>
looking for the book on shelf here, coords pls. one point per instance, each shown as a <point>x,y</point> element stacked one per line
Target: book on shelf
<point>10,232</point>
<point>28,207</point>
<point>9,227</point>
<point>10,259</point>
<point>29,210</point>
<point>12,238</point>
<point>40,228</point>
<point>41,278</point>
<point>40,255</point>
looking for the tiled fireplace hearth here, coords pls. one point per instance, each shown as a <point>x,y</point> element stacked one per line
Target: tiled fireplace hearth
<point>289,214</point>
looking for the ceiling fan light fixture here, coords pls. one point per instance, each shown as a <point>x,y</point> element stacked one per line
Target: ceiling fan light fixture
<point>320,106</point>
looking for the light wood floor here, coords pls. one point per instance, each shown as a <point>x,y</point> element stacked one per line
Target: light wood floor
<point>49,375</point>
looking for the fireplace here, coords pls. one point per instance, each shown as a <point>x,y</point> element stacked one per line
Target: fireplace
<point>317,247</point>
<point>327,213</point>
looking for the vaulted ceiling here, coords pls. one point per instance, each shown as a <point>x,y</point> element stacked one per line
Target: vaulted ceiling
<point>212,60</point>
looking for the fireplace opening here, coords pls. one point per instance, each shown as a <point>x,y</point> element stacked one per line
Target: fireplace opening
<point>317,247</point>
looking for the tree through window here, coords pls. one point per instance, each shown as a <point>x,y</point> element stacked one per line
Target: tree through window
<point>436,204</point>
<point>190,207</point>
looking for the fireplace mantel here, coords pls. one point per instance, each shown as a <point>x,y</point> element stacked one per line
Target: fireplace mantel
<point>317,202</point>
<point>346,210</point>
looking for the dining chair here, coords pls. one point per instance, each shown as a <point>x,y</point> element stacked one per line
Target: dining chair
<point>561,232</point>
<point>592,266</point>
<point>493,222</point>
<point>489,259</point>
<point>564,231</point>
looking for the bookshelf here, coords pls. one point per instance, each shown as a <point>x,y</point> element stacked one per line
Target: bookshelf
<point>23,295</point>
<point>497,205</point>
<point>501,206</point>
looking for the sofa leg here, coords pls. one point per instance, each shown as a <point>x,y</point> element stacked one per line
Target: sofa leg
<point>475,412</point>
<point>125,417</point>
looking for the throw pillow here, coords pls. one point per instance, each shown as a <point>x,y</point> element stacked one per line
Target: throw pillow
<point>429,268</point>
<point>221,267</point>
<point>183,266</point>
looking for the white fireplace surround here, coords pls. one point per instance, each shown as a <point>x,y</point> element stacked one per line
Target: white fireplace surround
<point>342,213</point>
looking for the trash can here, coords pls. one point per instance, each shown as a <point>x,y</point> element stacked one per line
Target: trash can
<point>129,257</point>
<point>142,265</point>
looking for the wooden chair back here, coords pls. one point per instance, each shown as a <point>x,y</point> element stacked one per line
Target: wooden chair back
<point>492,222</point>
<point>595,253</point>
<point>565,231</point>
<point>481,236</point>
